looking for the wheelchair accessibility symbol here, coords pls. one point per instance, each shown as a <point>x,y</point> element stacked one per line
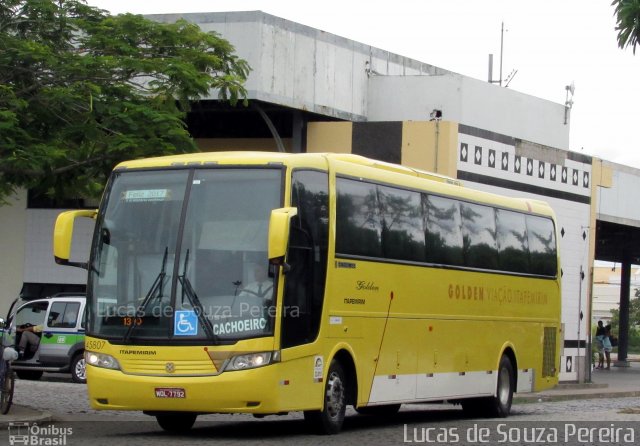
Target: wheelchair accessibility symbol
<point>185,323</point>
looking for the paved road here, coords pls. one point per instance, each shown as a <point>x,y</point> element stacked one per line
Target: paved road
<point>414,424</point>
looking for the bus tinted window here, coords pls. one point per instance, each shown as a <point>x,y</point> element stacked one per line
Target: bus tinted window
<point>402,224</point>
<point>512,241</point>
<point>358,228</point>
<point>479,235</point>
<point>443,235</point>
<point>391,223</point>
<point>542,246</point>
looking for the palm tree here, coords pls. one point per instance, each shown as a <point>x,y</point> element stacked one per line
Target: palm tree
<point>627,14</point>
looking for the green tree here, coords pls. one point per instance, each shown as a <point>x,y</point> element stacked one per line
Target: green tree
<point>634,312</point>
<point>627,13</point>
<point>81,90</point>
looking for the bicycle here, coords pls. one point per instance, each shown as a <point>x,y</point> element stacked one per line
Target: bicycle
<point>7,375</point>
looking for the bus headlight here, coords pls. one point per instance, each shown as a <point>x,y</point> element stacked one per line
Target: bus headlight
<point>251,361</point>
<point>101,360</point>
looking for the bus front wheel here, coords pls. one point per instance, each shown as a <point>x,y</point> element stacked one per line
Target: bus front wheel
<point>329,420</point>
<point>176,421</point>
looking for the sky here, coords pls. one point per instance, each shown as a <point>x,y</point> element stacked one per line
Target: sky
<point>551,44</point>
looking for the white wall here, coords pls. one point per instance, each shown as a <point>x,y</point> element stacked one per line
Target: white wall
<point>619,203</point>
<point>302,67</point>
<point>572,217</point>
<point>471,102</point>
<point>39,265</point>
<point>13,217</point>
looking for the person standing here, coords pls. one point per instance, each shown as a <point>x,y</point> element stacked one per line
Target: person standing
<point>607,345</point>
<point>600,344</point>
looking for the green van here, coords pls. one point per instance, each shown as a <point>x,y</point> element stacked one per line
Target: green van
<point>58,323</point>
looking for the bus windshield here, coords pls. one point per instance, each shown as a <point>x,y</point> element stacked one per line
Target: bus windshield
<point>181,255</point>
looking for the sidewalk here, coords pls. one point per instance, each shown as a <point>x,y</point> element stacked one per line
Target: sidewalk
<point>618,382</point>
<point>615,383</point>
<point>22,414</point>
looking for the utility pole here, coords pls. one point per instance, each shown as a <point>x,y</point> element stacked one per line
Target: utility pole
<point>499,81</point>
<point>501,50</point>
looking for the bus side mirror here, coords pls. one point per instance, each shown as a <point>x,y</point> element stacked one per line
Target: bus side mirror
<point>279,225</point>
<point>2,324</point>
<point>63,235</point>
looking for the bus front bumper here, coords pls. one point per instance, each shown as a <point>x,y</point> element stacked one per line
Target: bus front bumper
<point>247,391</point>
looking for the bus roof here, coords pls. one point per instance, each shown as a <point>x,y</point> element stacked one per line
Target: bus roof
<point>343,163</point>
<point>253,157</point>
<point>357,159</point>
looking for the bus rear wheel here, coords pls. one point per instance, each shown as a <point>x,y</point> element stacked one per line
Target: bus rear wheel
<point>329,420</point>
<point>498,406</point>
<point>501,403</point>
<point>176,422</point>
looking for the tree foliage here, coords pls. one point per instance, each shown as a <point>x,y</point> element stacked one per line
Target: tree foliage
<point>627,13</point>
<point>81,90</point>
<point>634,312</point>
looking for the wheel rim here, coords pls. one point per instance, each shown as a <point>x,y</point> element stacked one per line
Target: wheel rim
<point>335,396</point>
<point>504,387</point>
<point>80,370</point>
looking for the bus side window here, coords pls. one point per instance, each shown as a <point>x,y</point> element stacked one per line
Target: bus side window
<point>443,230</point>
<point>513,246</point>
<point>358,225</point>
<point>402,224</point>
<point>479,235</point>
<point>542,246</point>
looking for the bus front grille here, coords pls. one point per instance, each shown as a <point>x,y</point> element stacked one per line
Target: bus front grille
<point>168,367</point>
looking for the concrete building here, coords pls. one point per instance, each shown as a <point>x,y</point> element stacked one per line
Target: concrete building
<point>320,92</point>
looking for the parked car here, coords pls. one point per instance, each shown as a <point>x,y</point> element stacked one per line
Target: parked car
<point>61,319</point>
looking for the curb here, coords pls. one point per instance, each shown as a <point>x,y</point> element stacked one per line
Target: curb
<point>35,417</point>
<point>545,398</point>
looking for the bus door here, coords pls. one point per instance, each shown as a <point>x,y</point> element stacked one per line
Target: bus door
<point>307,256</point>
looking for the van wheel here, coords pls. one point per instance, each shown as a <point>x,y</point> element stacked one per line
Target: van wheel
<point>78,369</point>
<point>329,420</point>
<point>176,422</point>
<point>31,375</point>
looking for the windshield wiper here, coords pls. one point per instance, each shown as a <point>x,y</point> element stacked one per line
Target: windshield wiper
<point>189,292</point>
<point>156,288</point>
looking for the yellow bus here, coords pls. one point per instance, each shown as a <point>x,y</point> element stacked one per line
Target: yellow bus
<point>266,283</point>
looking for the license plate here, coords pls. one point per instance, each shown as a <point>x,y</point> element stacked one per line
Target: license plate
<point>170,392</point>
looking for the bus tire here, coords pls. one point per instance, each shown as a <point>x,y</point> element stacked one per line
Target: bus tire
<point>329,419</point>
<point>378,411</point>
<point>501,404</point>
<point>78,369</point>
<point>498,406</point>
<point>176,422</point>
